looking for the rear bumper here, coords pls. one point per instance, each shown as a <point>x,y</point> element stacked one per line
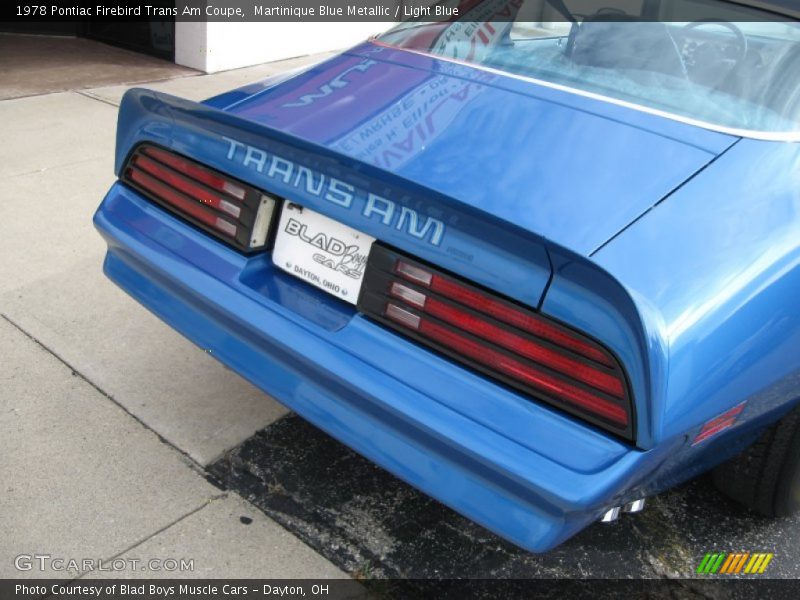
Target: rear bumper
<point>525,471</point>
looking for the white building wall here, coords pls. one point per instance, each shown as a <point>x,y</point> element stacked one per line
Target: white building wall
<point>213,47</point>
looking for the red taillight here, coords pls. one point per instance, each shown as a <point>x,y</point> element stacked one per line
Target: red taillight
<point>188,206</point>
<point>235,212</point>
<point>482,328</point>
<point>513,344</point>
<point>507,364</point>
<point>187,186</point>
<point>199,173</point>
<point>499,310</point>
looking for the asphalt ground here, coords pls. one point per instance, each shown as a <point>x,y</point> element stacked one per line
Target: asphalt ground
<point>373,525</point>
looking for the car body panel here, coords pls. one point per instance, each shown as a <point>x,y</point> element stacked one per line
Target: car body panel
<point>526,471</point>
<point>513,257</point>
<point>721,288</point>
<point>679,268</point>
<point>544,162</point>
<point>497,254</point>
<point>476,245</point>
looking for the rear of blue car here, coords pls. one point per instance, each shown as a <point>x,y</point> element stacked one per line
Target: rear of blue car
<point>478,443</point>
<point>411,271</point>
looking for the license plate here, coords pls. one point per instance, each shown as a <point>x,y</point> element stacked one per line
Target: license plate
<point>321,251</point>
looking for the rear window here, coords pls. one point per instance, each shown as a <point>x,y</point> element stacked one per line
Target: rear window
<point>715,62</point>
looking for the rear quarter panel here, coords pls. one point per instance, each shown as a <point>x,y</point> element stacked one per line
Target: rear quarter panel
<point>714,271</point>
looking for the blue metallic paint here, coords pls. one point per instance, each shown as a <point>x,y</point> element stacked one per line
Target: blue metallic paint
<point>687,282</point>
<point>526,471</point>
<point>538,169</point>
<point>499,255</point>
<point>722,274</point>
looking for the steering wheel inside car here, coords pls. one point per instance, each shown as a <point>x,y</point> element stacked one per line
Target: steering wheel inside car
<point>710,61</point>
<point>607,40</point>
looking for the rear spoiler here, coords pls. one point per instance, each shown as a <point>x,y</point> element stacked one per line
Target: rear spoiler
<point>405,214</point>
<point>513,262</point>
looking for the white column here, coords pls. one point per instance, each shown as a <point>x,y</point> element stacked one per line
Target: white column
<point>213,47</point>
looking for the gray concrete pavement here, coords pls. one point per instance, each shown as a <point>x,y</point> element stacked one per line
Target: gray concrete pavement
<point>224,544</point>
<point>78,474</point>
<point>181,392</point>
<point>54,130</point>
<point>106,415</point>
<point>82,479</point>
<point>58,165</point>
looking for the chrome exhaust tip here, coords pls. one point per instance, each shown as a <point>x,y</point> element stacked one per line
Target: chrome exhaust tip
<point>634,507</point>
<point>611,515</point>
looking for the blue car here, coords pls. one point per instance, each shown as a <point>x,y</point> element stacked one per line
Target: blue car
<point>538,264</point>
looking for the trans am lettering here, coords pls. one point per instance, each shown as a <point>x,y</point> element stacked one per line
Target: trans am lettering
<point>340,193</point>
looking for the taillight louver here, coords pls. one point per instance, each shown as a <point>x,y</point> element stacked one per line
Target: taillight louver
<point>234,212</point>
<point>515,345</point>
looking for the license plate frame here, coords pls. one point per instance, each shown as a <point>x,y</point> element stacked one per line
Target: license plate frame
<point>321,251</point>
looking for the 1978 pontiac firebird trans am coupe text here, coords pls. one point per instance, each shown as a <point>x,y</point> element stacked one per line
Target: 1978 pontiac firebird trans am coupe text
<point>538,270</point>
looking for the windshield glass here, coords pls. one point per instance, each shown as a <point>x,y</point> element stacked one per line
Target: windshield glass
<point>726,65</point>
